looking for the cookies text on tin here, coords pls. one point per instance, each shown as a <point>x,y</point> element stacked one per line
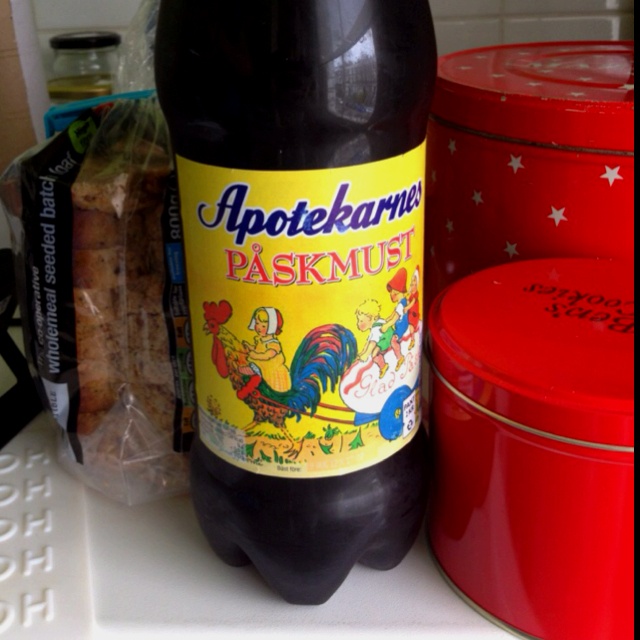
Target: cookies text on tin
<point>616,314</point>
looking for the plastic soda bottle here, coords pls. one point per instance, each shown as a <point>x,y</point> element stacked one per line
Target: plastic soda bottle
<point>299,130</point>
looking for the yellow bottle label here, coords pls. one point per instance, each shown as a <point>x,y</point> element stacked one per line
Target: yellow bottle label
<point>305,310</point>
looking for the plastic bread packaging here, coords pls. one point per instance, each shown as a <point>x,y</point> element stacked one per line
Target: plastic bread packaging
<point>136,52</point>
<point>94,219</point>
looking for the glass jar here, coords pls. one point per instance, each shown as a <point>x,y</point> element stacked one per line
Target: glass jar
<point>84,65</point>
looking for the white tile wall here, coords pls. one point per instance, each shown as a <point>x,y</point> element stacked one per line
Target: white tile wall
<point>563,27</point>
<point>460,24</point>
<point>79,14</point>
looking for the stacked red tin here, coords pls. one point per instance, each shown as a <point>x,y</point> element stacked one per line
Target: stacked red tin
<point>530,154</point>
<point>532,512</point>
<point>531,335</point>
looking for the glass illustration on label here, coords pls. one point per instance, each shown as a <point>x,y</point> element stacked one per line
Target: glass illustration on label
<point>307,284</point>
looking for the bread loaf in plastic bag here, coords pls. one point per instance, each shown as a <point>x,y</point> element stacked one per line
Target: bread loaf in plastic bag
<point>95,228</point>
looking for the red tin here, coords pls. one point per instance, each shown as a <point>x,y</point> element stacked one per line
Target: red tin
<point>530,155</point>
<point>532,428</point>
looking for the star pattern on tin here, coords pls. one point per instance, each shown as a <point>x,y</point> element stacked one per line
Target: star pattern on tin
<point>475,197</point>
<point>557,215</point>
<point>554,276</point>
<point>611,174</point>
<point>512,249</point>
<point>516,163</point>
<point>434,176</point>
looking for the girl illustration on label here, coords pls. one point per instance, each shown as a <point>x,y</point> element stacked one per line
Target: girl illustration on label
<point>266,359</point>
<point>259,375</point>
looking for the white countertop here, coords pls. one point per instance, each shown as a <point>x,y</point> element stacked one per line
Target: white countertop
<point>75,565</point>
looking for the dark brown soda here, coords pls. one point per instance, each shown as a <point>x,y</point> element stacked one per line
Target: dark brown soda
<point>292,85</point>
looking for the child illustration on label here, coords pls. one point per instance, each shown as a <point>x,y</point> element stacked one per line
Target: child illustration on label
<point>388,392</point>
<point>381,336</point>
<point>266,359</point>
<point>397,288</point>
<point>274,392</point>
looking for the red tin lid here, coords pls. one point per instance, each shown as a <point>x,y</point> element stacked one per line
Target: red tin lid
<point>569,94</point>
<point>548,344</point>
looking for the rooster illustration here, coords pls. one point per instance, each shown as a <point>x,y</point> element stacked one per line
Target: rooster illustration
<point>320,360</point>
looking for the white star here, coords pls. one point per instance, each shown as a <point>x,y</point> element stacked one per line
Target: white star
<point>534,84</point>
<point>512,249</point>
<point>497,75</point>
<point>557,215</point>
<point>612,174</point>
<point>477,198</point>
<point>450,226</point>
<point>453,147</point>
<point>516,163</point>
<point>628,87</point>
<point>577,94</point>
